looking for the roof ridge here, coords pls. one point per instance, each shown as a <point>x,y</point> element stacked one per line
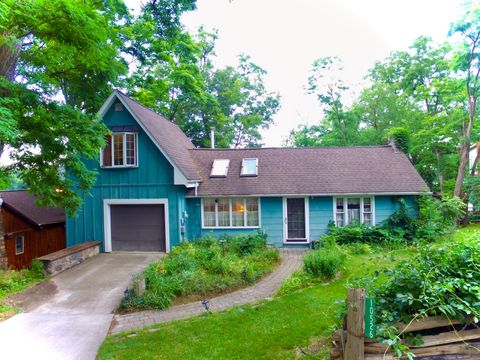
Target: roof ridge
<point>296,148</point>
<point>149,109</point>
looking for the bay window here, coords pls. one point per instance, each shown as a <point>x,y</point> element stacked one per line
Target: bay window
<point>230,212</point>
<point>120,150</point>
<point>349,210</point>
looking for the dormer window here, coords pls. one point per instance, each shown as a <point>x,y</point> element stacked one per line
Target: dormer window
<point>120,151</point>
<point>220,168</point>
<point>249,167</point>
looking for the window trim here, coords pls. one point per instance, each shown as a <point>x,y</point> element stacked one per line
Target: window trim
<point>286,239</point>
<point>23,244</point>
<point>244,198</point>
<point>243,167</point>
<point>345,208</point>
<point>124,165</point>
<point>226,168</point>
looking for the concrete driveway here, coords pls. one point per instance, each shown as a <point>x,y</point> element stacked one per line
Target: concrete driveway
<point>71,318</point>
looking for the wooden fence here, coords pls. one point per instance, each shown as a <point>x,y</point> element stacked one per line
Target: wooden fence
<point>442,338</point>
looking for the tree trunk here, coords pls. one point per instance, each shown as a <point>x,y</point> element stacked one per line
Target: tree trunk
<point>441,177</point>
<point>465,148</point>
<point>476,160</point>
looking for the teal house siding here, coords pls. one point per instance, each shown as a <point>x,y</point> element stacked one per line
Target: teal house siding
<point>271,218</point>
<point>321,213</point>
<point>387,205</point>
<point>152,179</point>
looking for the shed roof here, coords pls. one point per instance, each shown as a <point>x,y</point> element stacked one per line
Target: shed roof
<point>23,204</point>
<point>310,171</point>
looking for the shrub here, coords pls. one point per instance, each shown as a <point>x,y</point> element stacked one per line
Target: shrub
<point>438,280</point>
<point>358,248</point>
<point>438,216</point>
<point>324,262</point>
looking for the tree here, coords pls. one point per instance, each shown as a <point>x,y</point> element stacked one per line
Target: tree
<point>58,59</point>
<point>325,83</point>
<point>468,63</point>
<point>178,80</point>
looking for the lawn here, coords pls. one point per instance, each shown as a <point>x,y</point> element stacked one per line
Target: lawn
<point>270,330</point>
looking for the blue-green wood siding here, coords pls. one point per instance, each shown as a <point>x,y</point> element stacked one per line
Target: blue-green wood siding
<point>320,214</point>
<point>152,179</point>
<point>387,205</point>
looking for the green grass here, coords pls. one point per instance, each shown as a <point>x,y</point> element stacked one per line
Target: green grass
<point>269,330</point>
<point>12,282</point>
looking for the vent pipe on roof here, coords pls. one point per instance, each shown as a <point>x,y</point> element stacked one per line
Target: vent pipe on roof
<point>212,137</point>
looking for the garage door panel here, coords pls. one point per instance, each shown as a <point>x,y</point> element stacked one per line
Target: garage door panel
<point>138,227</point>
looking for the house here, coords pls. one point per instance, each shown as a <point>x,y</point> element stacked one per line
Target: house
<point>155,189</point>
<point>29,231</point>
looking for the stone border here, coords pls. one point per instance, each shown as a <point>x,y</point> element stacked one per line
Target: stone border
<point>64,259</point>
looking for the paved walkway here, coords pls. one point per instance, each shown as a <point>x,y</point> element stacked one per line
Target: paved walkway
<point>291,261</point>
<point>70,319</point>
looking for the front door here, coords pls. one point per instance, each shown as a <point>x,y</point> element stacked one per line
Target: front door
<point>295,220</point>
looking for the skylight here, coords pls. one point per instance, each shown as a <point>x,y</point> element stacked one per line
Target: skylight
<point>249,167</point>
<point>220,168</point>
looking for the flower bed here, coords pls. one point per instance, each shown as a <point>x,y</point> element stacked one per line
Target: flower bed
<point>203,268</point>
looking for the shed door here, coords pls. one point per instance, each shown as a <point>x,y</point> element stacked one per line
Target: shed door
<point>138,227</point>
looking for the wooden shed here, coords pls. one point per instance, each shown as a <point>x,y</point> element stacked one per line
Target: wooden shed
<point>29,231</point>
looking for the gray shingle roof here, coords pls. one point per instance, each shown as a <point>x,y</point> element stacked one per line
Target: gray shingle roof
<point>23,204</point>
<point>310,171</point>
<point>168,136</point>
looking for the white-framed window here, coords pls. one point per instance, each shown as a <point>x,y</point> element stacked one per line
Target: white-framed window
<point>353,209</point>
<point>121,150</point>
<point>220,168</point>
<point>19,244</point>
<point>249,167</point>
<point>237,212</point>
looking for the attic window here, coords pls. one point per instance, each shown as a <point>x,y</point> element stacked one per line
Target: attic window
<point>118,106</point>
<point>220,168</point>
<point>249,167</point>
<point>120,150</point>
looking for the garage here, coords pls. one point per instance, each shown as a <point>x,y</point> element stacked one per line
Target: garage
<point>139,227</point>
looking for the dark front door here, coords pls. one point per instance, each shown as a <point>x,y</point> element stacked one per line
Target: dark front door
<point>296,219</point>
<point>138,227</point>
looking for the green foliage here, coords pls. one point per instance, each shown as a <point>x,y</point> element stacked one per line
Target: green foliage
<point>204,267</point>
<point>438,280</point>
<point>58,59</point>
<point>356,248</point>
<point>401,223</point>
<point>15,281</point>
<point>416,97</point>
<point>323,263</point>
<point>179,80</point>
<point>438,216</point>
<point>401,138</point>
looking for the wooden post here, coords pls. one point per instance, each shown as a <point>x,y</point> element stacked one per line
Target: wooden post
<point>139,287</point>
<point>354,346</point>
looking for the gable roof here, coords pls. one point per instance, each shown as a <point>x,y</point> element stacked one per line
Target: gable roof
<point>166,135</point>
<point>23,204</point>
<point>310,171</point>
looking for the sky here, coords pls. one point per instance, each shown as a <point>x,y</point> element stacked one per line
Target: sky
<point>285,37</point>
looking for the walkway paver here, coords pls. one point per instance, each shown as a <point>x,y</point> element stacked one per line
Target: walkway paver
<point>292,259</point>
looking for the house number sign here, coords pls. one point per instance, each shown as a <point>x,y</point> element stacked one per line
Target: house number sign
<point>370,327</point>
